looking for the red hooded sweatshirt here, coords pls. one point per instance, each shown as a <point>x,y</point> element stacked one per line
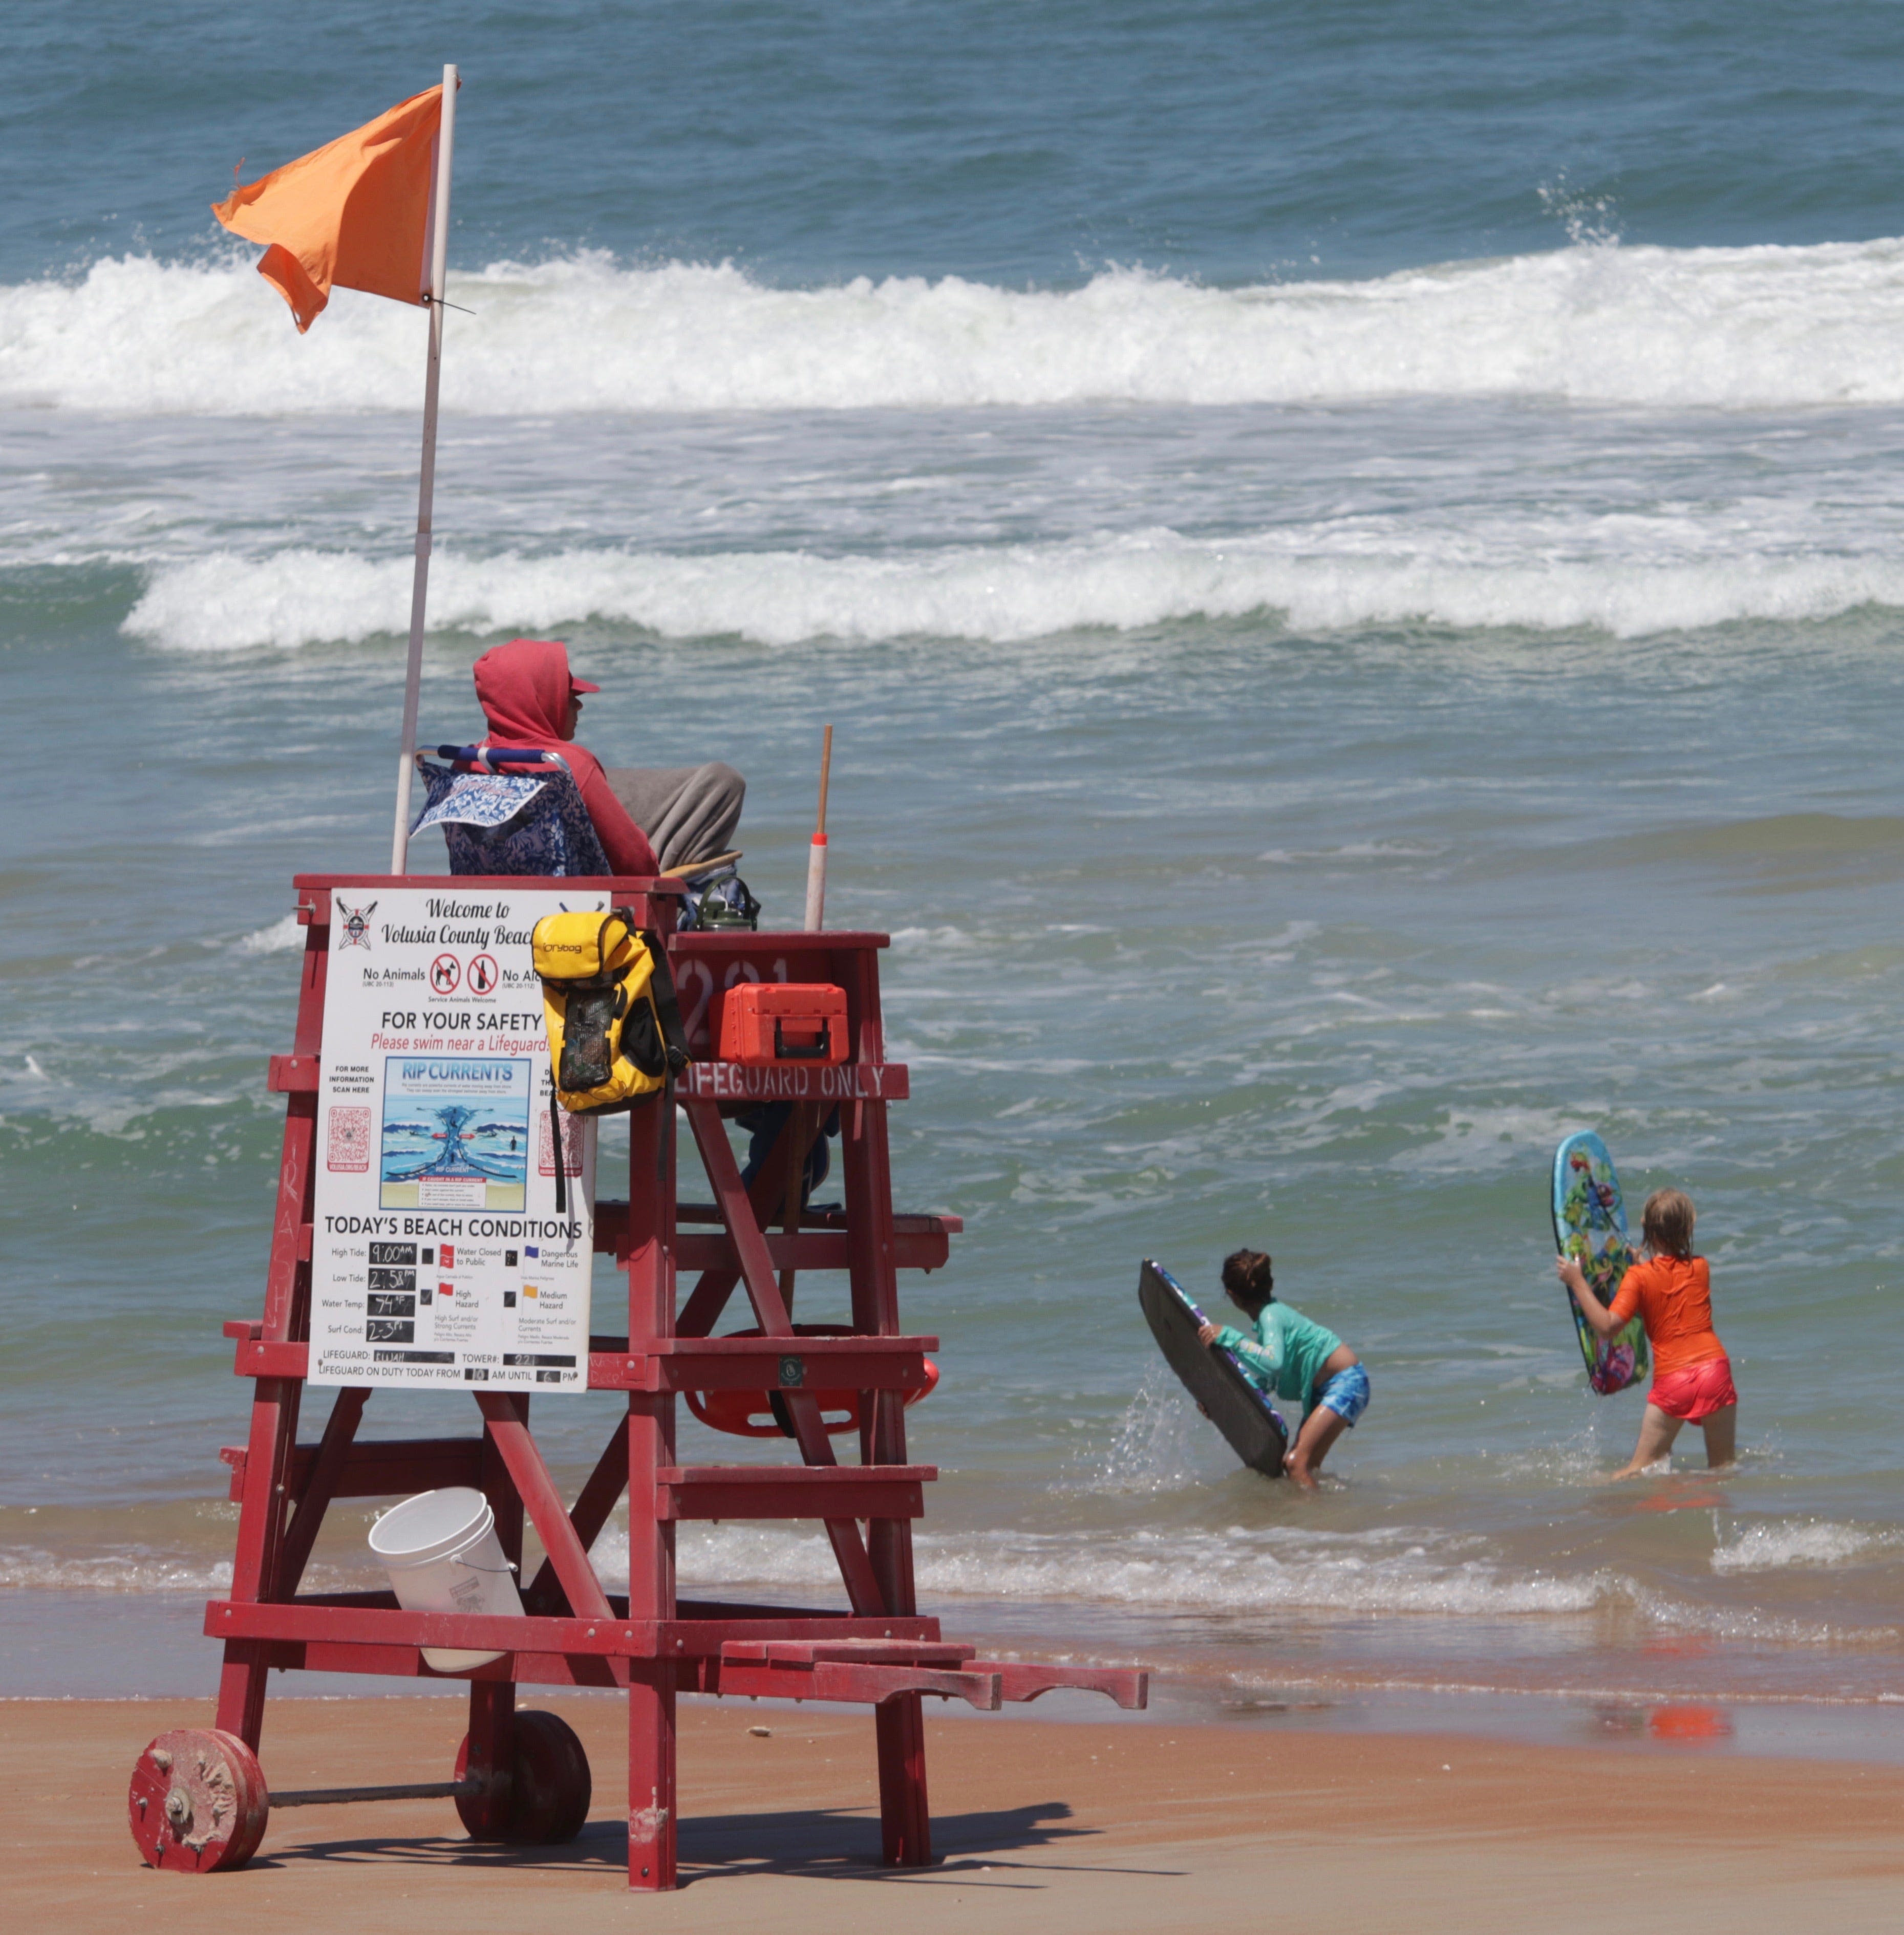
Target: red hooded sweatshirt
<point>523,688</point>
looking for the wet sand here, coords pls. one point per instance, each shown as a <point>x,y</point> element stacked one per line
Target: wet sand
<point>1053,1827</point>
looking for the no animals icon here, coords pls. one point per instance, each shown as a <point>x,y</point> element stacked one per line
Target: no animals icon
<point>446,973</point>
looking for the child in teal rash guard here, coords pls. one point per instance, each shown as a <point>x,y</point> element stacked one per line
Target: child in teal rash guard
<point>1292,1359</point>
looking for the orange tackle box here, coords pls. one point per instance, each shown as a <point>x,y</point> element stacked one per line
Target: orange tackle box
<point>762,1022</point>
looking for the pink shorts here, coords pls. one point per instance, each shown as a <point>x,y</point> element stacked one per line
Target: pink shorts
<point>1694,1394</point>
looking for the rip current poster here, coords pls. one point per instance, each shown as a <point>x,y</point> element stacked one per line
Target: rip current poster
<point>438,1257</point>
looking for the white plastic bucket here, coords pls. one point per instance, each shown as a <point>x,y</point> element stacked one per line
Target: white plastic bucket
<point>442,1555</point>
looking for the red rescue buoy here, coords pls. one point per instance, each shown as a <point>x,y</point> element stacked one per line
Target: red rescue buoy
<point>752,1414</point>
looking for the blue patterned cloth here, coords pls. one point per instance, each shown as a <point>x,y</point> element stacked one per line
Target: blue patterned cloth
<point>1346,1394</point>
<point>507,823</point>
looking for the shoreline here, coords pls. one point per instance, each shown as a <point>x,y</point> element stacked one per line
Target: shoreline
<point>79,1649</point>
<point>1055,1827</point>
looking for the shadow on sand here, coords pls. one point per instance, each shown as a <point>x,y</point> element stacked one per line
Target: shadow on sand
<point>821,1843</point>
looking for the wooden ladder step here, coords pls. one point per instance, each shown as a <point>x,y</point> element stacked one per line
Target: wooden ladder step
<point>791,1491</point>
<point>849,1652</point>
<point>797,1363</point>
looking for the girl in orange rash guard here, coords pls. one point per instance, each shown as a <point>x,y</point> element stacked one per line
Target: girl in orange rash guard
<point>530,698</point>
<point>1671,1290</point>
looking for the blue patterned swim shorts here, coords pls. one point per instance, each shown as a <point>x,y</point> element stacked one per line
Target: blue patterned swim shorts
<point>1346,1394</point>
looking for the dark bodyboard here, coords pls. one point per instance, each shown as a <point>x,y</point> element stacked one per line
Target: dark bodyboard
<point>1211,1376</point>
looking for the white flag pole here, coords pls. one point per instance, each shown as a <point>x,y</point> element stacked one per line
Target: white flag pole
<point>427,481</point>
<point>816,854</point>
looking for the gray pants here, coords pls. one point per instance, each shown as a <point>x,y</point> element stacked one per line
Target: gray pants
<point>688,812</point>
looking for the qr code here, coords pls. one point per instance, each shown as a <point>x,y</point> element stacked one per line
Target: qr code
<point>349,1151</point>
<point>571,1146</point>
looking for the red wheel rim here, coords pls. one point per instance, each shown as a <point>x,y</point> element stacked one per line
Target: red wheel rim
<point>550,1786</point>
<point>197,1802</point>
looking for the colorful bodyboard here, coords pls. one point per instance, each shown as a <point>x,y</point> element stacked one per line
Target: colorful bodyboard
<point>1589,1225</point>
<point>1211,1375</point>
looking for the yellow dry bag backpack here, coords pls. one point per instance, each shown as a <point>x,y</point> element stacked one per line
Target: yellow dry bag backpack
<point>614,1032</point>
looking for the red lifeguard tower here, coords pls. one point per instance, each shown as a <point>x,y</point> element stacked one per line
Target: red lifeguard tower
<point>198,1799</point>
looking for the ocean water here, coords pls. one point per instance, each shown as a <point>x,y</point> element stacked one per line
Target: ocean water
<point>1353,559</point>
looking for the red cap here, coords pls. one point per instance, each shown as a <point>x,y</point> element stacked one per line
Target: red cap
<point>582,684</point>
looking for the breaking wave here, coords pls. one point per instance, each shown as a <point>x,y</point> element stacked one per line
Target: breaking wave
<point>278,938</point>
<point>1781,1545</point>
<point>137,1571</point>
<point>1594,323</point>
<point>1393,1571</point>
<point>225,602</point>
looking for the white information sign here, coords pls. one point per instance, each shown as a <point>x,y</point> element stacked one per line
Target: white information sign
<point>438,1256</point>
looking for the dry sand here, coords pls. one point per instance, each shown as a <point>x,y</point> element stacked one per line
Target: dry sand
<point>1054,1826</point>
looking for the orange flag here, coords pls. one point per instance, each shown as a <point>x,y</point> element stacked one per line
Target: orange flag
<point>354,214</point>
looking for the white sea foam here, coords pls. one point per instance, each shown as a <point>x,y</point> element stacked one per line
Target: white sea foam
<point>1784,1544</point>
<point>279,938</point>
<point>136,1569</point>
<point>1400,1570</point>
<point>26,1569</point>
<point>1467,1140</point>
<point>1593,323</point>
<point>1359,849</point>
<point>932,940</point>
<point>226,602</point>
<point>1396,1570</point>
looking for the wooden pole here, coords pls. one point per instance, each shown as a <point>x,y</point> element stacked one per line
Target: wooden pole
<point>426,490</point>
<point>816,854</point>
<point>798,1132</point>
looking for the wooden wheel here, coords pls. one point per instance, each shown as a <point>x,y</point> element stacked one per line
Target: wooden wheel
<point>550,1789</point>
<point>198,1801</point>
